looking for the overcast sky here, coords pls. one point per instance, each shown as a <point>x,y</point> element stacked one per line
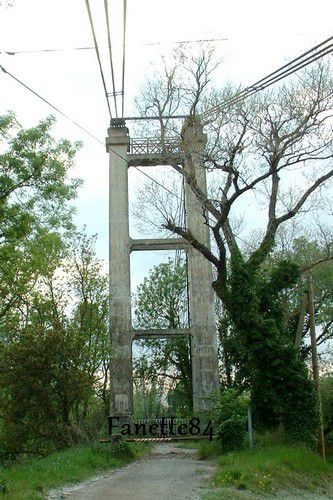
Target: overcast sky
<point>260,36</point>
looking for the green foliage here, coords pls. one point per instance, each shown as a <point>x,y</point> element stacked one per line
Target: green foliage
<point>305,252</point>
<point>43,381</point>
<point>161,303</point>
<point>148,400</point>
<point>230,417</point>
<point>272,470</point>
<point>281,390</point>
<point>54,354</point>
<point>33,479</point>
<point>50,363</point>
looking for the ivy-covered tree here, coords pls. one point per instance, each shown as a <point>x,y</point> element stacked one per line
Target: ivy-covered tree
<point>255,148</point>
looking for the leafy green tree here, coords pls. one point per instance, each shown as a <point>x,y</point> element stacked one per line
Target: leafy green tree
<point>161,303</point>
<point>34,210</point>
<point>88,284</point>
<point>311,253</point>
<point>42,377</point>
<point>52,362</point>
<point>53,296</point>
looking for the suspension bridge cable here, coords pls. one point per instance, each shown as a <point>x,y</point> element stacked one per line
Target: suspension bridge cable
<point>124,58</point>
<point>253,89</point>
<point>97,140</point>
<point>277,75</point>
<point>296,59</point>
<point>106,8</point>
<point>287,69</point>
<point>62,113</point>
<point>98,55</point>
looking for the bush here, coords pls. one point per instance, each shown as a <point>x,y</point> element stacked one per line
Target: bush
<point>117,449</point>
<point>230,417</point>
<point>3,486</point>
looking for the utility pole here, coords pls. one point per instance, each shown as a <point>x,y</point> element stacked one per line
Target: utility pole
<point>315,367</point>
<point>301,318</point>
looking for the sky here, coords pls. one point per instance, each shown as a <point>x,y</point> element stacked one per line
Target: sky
<point>258,37</point>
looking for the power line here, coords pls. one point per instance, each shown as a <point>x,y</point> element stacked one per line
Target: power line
<point>80,127</point>
<point>124,58</point>
<point>110,53</point>
<point>92,135</point>
<point>98,56</point>
<point>51,105</point>
<point>253,89</point>
<point>291,67</point>
<point>92,47</point>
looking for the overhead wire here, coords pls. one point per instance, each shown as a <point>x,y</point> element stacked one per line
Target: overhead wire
<point>58,110</point>
<point>124,58</point>
<point>253,89</point>
<point>98,55</point>
<point>92,47</point>
<point>287,69</point>
<point>106,8</point>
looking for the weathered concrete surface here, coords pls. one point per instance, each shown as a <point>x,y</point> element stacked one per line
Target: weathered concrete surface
<point>168,472</point>
<point>201,296</point>
<point>121,401</point>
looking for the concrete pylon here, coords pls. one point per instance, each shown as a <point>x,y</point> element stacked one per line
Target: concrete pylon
<point>201,295</point>
<point>202,326</point>
<point>121,397</point>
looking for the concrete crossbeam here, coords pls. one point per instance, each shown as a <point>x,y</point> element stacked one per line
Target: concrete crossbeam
<point>158,244</point>
<point>150,160</point>
<point>161,333</point>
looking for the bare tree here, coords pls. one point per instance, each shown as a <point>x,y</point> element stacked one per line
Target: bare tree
<point>274,150</point>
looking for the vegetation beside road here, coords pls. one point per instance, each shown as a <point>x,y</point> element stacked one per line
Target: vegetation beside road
<point>271,468</point>
<point>32,479</point>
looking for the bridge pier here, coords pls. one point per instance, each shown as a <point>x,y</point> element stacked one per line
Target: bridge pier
<point>121,386</point>
<point>202,328</point>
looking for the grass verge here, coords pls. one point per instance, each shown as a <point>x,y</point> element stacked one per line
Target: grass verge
<point>273,468</point>
<point>269,470</point>
<point>33,479</point>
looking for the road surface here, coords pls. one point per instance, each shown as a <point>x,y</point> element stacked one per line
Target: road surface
<point>169,472</point>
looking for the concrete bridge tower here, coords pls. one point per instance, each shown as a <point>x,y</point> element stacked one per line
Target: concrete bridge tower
<point>124,153</point>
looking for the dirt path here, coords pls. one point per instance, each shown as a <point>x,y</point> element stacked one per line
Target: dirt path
<point>169,472</point>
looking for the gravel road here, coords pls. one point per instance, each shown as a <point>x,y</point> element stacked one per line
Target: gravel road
<point>169,472</point>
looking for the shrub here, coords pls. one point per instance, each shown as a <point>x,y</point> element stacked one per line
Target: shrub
<point>230,417</point>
